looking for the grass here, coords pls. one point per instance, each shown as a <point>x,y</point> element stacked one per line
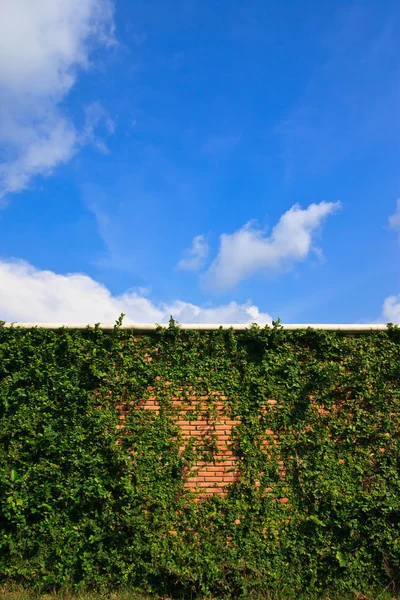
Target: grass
<point>7,593</point>
<point>31,594</point>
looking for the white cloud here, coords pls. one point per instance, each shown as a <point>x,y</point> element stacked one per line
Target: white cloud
<point>248,250</point>
<point>94,116</point>
<point>394,220</point>
<point>391,304</point>
<point>28,294</point>
<point>391,309</point>
<point>196,256</point>
<point>232,312</point>
<point>43,43</point>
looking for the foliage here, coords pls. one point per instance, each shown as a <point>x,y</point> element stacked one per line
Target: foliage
<point>83,503</point>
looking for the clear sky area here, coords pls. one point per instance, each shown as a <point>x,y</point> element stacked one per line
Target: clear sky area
<point>220,162</point>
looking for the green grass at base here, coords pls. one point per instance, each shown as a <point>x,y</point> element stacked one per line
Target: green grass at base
<point>17,593</point>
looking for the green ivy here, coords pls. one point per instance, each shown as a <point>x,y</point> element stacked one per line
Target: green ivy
<point>84,503</point>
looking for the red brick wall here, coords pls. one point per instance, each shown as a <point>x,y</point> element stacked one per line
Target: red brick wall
<point>206,477</point>
<point>212,422</point>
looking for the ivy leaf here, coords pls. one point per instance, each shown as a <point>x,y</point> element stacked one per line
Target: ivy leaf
<point>317,521</point>
<point>341,559</point>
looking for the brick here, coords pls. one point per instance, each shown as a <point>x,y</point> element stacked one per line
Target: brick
<point>204,484</point>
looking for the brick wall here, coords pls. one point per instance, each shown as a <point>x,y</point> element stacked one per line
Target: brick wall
<point>206,477</point>
<point>213,424</point>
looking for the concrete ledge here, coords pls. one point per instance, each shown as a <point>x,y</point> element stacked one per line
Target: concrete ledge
<point>147,327</point>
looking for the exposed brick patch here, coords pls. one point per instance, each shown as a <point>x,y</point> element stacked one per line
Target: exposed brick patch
<point>214,424</point>
<point>211,423</point>
<point>202,419</point>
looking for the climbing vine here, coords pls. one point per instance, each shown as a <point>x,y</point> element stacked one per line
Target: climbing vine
<point>94,485</point>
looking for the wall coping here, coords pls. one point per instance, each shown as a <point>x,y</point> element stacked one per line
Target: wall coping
<point>348,328</point>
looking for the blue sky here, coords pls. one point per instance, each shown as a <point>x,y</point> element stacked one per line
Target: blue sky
<point>221,162</point>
